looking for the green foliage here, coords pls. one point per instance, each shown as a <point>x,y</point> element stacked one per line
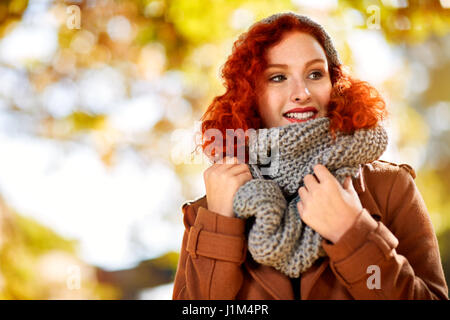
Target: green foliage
<point>415,23</point>
<point>39,239</point>
<point>25,244</point>
<point>82,121</point>
<point>10,12</point>
<point>167,261</point>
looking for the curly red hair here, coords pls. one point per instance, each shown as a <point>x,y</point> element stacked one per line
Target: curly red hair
<point>353,105</point>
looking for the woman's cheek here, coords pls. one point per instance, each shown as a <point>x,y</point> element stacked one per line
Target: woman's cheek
<point>269,105</point>
<point>322,94</point>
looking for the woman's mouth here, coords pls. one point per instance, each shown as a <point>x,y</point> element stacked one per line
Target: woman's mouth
<point>300,116</point>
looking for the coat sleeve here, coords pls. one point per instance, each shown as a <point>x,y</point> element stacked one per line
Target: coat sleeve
<point>212,252</point>
<point>399,262</point>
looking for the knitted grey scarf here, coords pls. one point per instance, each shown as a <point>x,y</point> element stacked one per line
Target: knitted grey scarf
<point>278,237</point>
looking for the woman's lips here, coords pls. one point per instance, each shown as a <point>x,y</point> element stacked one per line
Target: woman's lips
<point>305,109</point>
<point>301,120</point>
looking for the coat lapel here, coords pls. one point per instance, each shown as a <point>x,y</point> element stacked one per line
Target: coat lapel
<point>273,281</point>
<point>279,285</point>
<point>310,276</point>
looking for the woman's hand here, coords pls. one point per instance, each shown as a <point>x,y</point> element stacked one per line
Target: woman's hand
<point>326,206</point>
<point>222,182</point>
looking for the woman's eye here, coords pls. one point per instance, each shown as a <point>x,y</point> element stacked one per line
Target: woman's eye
<point>317,74</point>
<point>280,76</point>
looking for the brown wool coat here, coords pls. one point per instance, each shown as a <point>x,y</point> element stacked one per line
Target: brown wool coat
<point>214,263</point>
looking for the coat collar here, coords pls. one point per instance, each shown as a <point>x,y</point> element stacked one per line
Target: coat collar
<point>274,282</point>
<point>279,285</point>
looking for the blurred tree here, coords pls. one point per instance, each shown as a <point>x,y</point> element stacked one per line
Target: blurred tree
<point>35,263</point>
<point>147,274</point>
<point>10,13</point>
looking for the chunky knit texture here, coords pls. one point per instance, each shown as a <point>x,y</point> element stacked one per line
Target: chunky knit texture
<point>278,237</point>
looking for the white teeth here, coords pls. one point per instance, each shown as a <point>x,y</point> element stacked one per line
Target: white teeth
<point>301,115</point>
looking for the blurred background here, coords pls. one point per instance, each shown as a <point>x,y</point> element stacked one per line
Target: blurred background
<point>99,103</point>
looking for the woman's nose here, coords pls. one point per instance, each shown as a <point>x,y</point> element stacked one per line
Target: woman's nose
<point>300,92</point>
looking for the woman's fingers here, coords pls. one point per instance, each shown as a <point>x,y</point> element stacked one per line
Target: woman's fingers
<point>228,161</point>
<point>244,176</point>
<point>302,192</point>
<point>310,182</point>
<point>238,168</point>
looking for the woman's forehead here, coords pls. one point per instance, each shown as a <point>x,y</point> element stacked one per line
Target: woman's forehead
<point>286,66</point>
<point>295,48</point>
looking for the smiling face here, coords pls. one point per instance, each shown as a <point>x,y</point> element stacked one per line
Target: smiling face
<point>296,85</point>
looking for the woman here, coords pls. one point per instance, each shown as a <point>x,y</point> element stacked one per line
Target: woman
<point>323,218</point>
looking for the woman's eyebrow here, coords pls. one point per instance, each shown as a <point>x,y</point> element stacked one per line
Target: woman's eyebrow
<point>284,66</point>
